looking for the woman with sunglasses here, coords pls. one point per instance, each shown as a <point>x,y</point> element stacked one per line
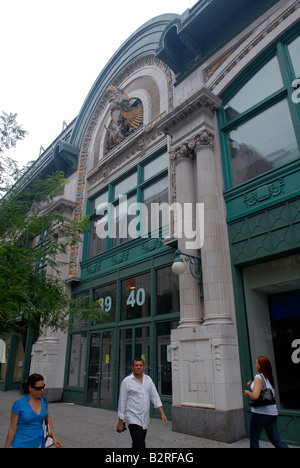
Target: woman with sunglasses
<point>28,415</point>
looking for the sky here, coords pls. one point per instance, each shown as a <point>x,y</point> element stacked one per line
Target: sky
<point>51,53</point>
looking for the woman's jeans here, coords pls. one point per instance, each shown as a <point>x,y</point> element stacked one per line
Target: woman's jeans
<point>259,422</point>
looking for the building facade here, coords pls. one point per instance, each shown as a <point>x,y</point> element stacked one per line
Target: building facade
<point>200,111</point>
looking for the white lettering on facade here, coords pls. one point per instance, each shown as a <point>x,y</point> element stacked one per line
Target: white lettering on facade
<point>296,353</point>
<point>296,93</point>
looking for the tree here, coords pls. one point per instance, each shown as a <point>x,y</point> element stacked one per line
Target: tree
<point>32,236</point>
<point>10,133</point>
<point>33,239</point>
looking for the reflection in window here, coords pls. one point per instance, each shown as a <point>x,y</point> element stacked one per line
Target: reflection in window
<point>105,299</point>
<point>3,359</point>
<point>164,364</point>
<point>96,244</point>
<point>126,185</point>
<point>156,194</point>
<point>136,297</point>
<point>82,302</point>
<point>265,142</point>
<point>134,343</point>
<point>258,88</point>
<point>285,323</point>
<point>77,360</point>
<point>294,50</point>
<point>142,346</point>
<point>167,291</point>
<point>122,221</point>
<point>97,202</point>
<point>155,166</point>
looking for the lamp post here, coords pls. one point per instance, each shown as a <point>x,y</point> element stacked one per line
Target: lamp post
<point>195,263</point>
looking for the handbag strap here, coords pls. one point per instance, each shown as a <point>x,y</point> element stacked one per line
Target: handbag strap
<point>46,418</point>
<point>264,383</point>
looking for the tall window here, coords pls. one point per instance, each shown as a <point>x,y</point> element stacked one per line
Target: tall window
<point>122,211</point>
<point>259,121</point>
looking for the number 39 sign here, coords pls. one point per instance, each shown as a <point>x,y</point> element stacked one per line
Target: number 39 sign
<point>105,303</point>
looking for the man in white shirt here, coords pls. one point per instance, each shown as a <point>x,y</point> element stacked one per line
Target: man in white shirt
<point>136,393</point>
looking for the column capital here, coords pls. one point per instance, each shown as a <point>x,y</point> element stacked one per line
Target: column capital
<point>205,139</point>
<point>185,152</point>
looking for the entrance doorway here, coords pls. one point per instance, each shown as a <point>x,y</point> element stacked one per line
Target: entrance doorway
<point>99,390</point>
<point>141,310</point>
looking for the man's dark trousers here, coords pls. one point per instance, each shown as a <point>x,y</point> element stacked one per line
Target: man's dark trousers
<point>138,435</point>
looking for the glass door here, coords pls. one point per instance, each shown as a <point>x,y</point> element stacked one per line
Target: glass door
<point>134,343</point>
<point>100,369</point>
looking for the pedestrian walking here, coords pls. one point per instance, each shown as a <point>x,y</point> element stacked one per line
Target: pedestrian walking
<point>136,393</point>
<point>28,415</point>
<point>264,413</point>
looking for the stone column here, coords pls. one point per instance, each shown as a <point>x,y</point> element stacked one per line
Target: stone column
<point>190,306</point>
<point>215,251</point>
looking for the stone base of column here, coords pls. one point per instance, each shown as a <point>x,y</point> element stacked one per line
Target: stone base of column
<point>222,426</point>
<point>189,323</point>
<point>207,387</point>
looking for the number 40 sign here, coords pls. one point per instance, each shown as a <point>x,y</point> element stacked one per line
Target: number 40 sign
<point>136,297</point>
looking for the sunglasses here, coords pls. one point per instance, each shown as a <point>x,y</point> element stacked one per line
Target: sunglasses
<point>39,389</point>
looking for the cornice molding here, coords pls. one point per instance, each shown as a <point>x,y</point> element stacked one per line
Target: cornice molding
<point>203,102</point>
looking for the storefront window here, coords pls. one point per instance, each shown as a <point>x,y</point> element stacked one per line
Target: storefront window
<point>167,291</point>
<point>285,325</point>
<point>142,345</point>
<point>82,301</point>
<point>272,293</point>
<point>136,297</point>
<point>77,360</point>
<point>134,343</point>
<point>125,357</point>
<point>4,347</point>
<point>164,352</point>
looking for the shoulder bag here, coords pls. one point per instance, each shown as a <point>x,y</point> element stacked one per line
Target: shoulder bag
<point>266,397</point>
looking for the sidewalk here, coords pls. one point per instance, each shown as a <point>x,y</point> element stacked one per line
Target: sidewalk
<point>84,427</point>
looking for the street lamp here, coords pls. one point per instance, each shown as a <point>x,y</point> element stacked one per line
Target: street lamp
<point>179,267</point>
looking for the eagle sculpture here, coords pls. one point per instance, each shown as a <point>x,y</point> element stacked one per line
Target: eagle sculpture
<point>126,117</point>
